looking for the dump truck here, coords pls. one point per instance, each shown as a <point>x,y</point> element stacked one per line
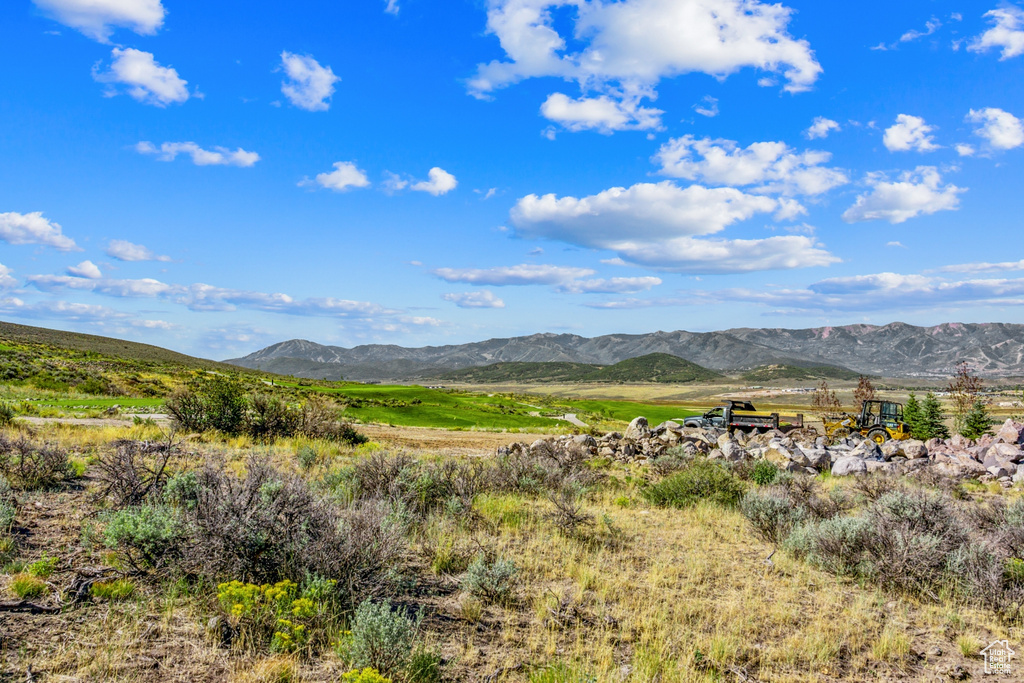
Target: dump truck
<point>733,416</point>
<point>878,420</point>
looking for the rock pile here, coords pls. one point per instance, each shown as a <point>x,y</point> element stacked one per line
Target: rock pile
<point>990,458</point>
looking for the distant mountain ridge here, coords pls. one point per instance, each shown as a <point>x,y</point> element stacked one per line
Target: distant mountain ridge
<point>893,350</point>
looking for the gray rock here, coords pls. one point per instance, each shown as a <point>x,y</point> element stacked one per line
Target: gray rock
<point>715,454</point>
<point>848,465</point>
<point>637,429</point>
<point>733,452</point>
<point>541,447</point>
<point>914,449</point>
<point>585,440</point>
<point>819,458</point>
<point>891,449</point>
<point>1011,433</point>
<point>1006,451</point>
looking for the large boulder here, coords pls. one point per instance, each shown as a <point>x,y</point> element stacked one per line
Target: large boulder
<point>1006,451</point>
<point>637,429</point>
<point>892,448</point>
<point>914,449</point>
<point>848,465</point>
<point>959,442</point>
<point>733,452</point>
<point>1011,433</point>
<point>819,458</point>
<point>541,448</point>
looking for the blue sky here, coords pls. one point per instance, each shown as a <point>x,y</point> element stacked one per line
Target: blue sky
<point>215,177</point>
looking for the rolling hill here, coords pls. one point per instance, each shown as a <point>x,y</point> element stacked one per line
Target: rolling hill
<point>773,373</point>
<point>654,367</point>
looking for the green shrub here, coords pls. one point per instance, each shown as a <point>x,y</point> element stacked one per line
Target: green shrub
<point>43,568</point>
<point>307,457</point>
<point>381,638</point>
<point>7,414</point>
<point>283,616</point>
<point>113,591</point>
<point>700,480</point>
<point>562,673</point>
<point>31,466</point>
<point>492,581</point>
<point>145,536</point>
<point>8,511</point>
<point>765,472</point>
<point>26,586</point>
<point>182,490</point>
<point>424,667</point>
<point>772,513</point>
<point>839,545</point>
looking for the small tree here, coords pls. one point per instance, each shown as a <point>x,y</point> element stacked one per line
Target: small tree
<point>865,391</point>
<point>963,390</point>
<point>976,421</point>
<point>824,401</point>
<point>913,416</point>
<point>932,425</point>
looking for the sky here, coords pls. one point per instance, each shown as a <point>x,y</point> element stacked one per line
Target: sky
<point>217,177</point>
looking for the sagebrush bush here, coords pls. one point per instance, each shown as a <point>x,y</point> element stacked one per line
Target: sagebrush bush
<point>30,466</point>
<point>700,480</point>
<point>146,537</point>
<point>838,545</point>
<point>133,471</point>
<point>772,513</point>
<point>490,580</point>
<point>381,638</point>
<point>7,414</point>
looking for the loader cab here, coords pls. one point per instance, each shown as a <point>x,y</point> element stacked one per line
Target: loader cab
<point>884,413</point>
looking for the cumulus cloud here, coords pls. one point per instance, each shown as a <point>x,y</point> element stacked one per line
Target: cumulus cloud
<point>628,47</point>
<point>772,166</point>
<point>1000,129</point>
<point>909,133</point>
<point>86,269</point>
<point>345,175</point>
<point>143,78</point>
<point>614,285</point>
<point>523,274</point>
<point>821,127</point>
<point>7,281</point>
<point>32,228</point>
<point>658,226</point>
<point>983,267</point>
<point>965,150</point>
<point>915,193</point>
<point>309,85</point>
<point>123,250</point>
<point>62,310</point>
<point>218,156</point>
<point>602,114</point>
<point>97,19</point>
<point>440,182</point>
<point>481,299</point>
<point>1007,32</point>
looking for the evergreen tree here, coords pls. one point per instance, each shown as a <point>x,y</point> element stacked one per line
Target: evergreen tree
<point>932,426</point>
<point>913,417</point>
<point>976,421</point>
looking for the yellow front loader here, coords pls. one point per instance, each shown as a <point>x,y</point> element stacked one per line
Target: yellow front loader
<point>878,421</point>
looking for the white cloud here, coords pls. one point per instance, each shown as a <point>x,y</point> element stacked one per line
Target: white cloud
<point>614,285</point>
<point>915,193</point>
<point>155,325</point>
<point>930,27</point>
<point>218,156</point>
<point>123,250</point>
<point>772,166</point>
<point>441,182</point>
<point>700,256</point>
<point>121,288</point>
<point>86,269</point>
<point>32,228</point>
<point>965,150</point>
<point>983,267</point>
<point>1000,129</point>
<point>602,114</point>
<point>391,7</point>
<point>895,243</point>
<point>7,281</point>
<point>1007,32</point>
<point>708,106</point>
<point>98,18</point>
<point>909,133</point>
<point>629,46</point>
<point>63,310</point>
<point>821,127</point>
<point>345,175</point>
<point>481,299</point>
<point>144,79</point>
<point>645,211</point>
<point>523,274</point>
<point>394,182</point>
<point>881,292</point>
<point>309,85</point>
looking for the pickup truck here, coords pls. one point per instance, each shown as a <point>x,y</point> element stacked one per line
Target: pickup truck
<point>735,415</point>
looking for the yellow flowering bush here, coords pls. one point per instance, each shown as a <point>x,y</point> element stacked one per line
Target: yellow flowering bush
<point>280,613</point>
<point>367,675</point>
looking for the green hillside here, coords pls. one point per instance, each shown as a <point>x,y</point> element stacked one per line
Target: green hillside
<point>654,367</point>
<point>771,373</point>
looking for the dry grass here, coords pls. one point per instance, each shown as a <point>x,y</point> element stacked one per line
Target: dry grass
<point>646,594</point>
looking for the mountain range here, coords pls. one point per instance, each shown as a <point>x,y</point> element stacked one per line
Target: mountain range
<point>893,350</point>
